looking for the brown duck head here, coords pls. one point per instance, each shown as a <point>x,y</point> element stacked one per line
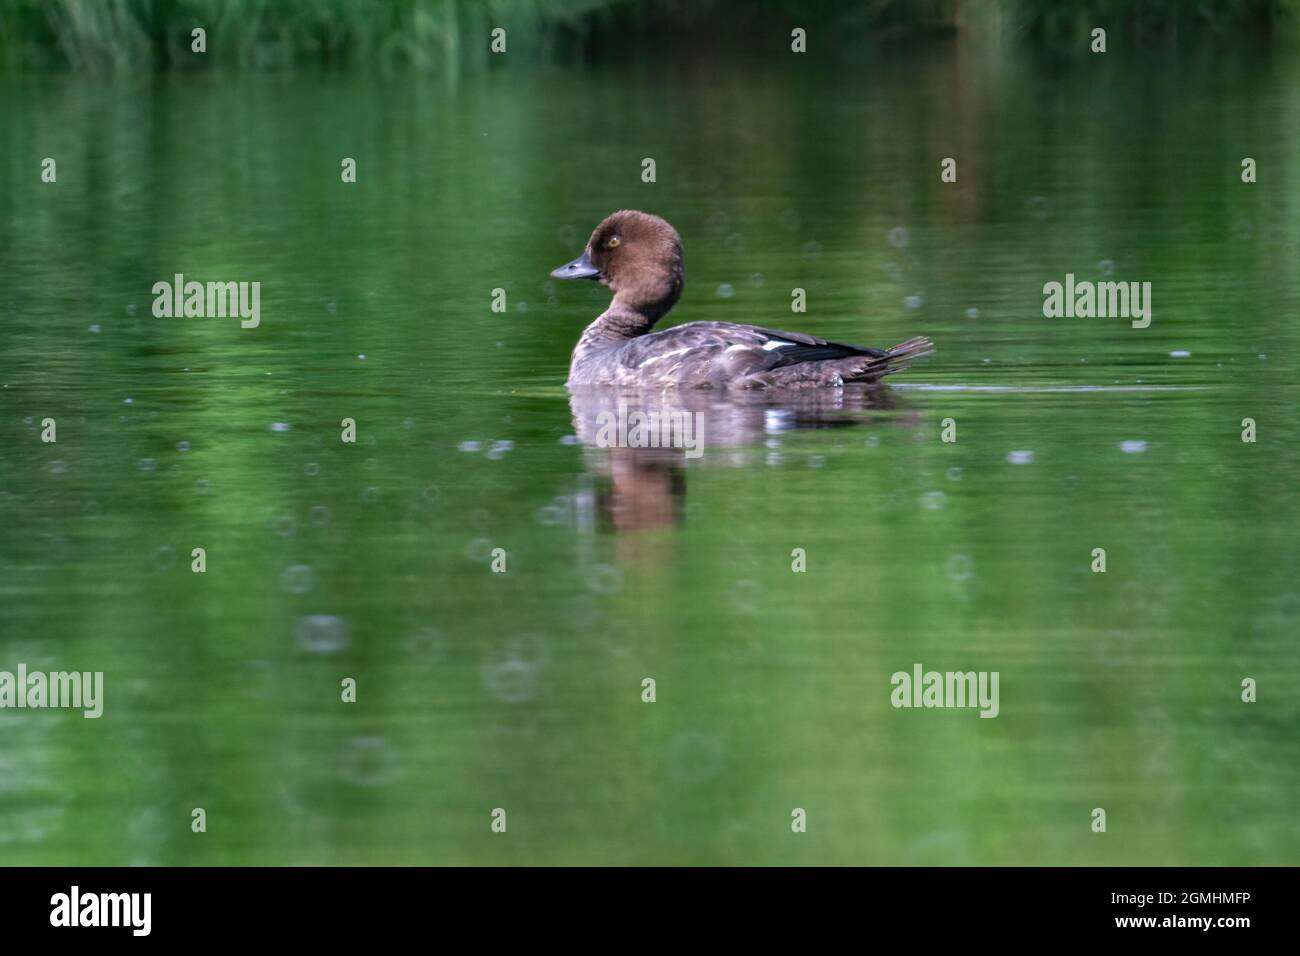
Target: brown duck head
<point>638,256</point>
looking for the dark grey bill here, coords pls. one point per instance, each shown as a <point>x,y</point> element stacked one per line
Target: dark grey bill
<point>579,268</point>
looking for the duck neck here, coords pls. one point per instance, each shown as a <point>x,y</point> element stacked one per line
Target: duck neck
<point>617,324</point>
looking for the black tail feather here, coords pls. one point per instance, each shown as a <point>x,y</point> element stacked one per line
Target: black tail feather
<point>901,356</point>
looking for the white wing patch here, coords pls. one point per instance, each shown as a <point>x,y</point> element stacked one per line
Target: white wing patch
<point>775,344</point>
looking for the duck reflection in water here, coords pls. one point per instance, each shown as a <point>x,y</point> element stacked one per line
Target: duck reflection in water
<point>638,444</point>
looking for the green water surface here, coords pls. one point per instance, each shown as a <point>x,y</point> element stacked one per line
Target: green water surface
<point>523,690</point>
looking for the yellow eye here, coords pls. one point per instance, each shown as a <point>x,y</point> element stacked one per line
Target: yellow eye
<point>613,243</point>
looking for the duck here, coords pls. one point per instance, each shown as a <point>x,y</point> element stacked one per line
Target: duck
<point>638,257</point>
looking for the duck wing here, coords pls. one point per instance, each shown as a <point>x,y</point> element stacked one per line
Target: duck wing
<point>737,350</point>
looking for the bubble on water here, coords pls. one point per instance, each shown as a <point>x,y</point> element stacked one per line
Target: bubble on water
<point>312,469</point>
<point>279,426</point>
<point>734,243</point>
<point>57,467</point>
<point>1022,457</point>
<point>521,306</point>
<point>499,449</point>
<point>510,680</point>
<point>811,250</point>
<point>960,568</point>
<point>297,579</point>
<point>872,441</point>
<point>182,446</point>
<point>555,513</point>
<point>368,762</point>
<point>1106,267</point>
<point>933,500</point>
<point>604,579</point>
<point>816,461</point>
<point>726,291</point>
<point>899,237</point>
<point>914,301</point>
<point>480,549</point>
<point>284,524</point>
<point>972,313</point>
<point>128,401</point>
<point>954,473</point>
<point>470,446</point>
<point>203,486</point>
<point>1133,446</point>
<point>164,557</point>
<point>1038,207</point>
<point>319,515</point>
<point>432,493</point>
<point>529,648</point>
<point>695,757</point>
<point>618,638</point>
<point>511,674</point>
<point>1180,353</point>
<point>569,440</point>
<point>322,633</point>
<point>789,218</point>
<point>428,645</point>
<point>331,307</point>
<point>745,595</point>
<point>362,356</point>
<point>756,280</point>
<point>371,494</point>
<point>130,308</point>
<point>773,459</point>
<point>95,329</point>
<point>147,464</point>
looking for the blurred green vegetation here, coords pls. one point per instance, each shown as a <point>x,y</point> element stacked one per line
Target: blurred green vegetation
<point>452,35</point>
